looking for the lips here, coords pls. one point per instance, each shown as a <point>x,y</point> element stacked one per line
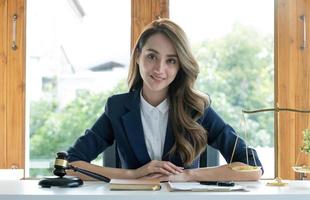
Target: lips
<point>158,78</point>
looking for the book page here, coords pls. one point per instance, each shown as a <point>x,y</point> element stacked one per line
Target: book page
<point>197,187</point>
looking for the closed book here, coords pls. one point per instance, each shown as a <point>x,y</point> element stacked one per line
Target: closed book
<point>134,184</point>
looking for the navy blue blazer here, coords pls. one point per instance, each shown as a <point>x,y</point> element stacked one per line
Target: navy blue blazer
<point>121,122</point>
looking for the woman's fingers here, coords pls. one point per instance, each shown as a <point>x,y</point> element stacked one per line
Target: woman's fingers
<point>163,171</point>
<point>171,167</point>
<point>176,168</point>
<point>152,176</point>
<point>164,167</point>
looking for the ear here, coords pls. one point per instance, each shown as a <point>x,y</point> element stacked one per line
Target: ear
<point>138,53</point>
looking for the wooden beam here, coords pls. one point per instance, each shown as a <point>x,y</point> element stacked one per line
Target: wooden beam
<point>15,77</point>
<point>292,82</point>
<point>3,66</point>
<point>145,11</point>
<point>302,94</point>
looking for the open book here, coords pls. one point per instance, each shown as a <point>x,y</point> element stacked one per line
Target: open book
<point>197,187</point>
<point>134,184</point>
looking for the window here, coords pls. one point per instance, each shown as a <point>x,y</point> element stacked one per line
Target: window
<point>290,63</point>
<point>77,55</point>
<point>233,42</point>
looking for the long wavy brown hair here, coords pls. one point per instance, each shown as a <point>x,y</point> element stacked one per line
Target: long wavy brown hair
<point>187,105</point>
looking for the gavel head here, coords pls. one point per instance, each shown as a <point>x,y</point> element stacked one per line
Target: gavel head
<point>61,164</point>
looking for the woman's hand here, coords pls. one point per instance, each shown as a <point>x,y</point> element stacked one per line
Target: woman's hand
<point>187,175</point>
<point>156,168</point>
<point>154,176</point>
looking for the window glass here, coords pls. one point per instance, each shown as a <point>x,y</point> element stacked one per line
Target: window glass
<point>233,42</point>
<point>77,55</point>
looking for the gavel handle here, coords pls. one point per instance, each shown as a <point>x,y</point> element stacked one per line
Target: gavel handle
<point>90,174</point>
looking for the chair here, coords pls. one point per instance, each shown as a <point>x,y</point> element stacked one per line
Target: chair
<point>111,158</point>
<point>209,158</point>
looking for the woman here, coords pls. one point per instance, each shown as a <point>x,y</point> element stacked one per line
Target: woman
<point>162,124</point>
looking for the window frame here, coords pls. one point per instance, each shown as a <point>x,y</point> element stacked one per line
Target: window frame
<point>287,86</point>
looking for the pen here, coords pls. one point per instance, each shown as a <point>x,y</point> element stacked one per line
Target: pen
<point>218,183</point>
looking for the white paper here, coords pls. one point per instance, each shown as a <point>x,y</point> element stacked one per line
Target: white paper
<point>197,187</point>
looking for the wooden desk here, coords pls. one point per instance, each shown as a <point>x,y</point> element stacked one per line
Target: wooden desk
<point>29,189</point>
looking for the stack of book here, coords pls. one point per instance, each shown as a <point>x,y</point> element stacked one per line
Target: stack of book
<point>134,184</point>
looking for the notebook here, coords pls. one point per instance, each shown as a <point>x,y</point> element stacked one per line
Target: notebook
<point>134,184</point>
<point>197,187</point>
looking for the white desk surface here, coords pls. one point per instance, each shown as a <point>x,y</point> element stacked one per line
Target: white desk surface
<point>29,189</point>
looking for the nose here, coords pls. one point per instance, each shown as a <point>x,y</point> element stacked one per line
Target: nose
<point>160,66</point>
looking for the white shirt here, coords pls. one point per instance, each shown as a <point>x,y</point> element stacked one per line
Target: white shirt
<point>154,122</point>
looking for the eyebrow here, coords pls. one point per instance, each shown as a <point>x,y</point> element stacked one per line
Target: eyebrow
<point>169,55</point>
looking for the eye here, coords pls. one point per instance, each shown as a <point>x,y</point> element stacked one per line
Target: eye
<point>172,61</point>
<point>151,57</point>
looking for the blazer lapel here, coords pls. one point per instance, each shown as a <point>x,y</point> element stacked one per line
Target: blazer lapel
<point>134,129</point>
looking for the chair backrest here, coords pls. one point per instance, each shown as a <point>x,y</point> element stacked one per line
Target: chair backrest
<point>209,158</point>
<point>111,158</point>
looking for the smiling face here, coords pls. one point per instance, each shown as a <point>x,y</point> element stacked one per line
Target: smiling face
<point>158,65</point>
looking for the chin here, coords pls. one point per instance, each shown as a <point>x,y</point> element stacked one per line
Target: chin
<point>158,88</point>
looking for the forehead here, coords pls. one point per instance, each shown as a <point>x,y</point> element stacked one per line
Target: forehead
<point>160,43</point>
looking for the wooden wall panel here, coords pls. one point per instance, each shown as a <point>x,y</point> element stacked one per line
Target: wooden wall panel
<point>292,83</point>
<point>302,97</point>
<point>145,11</point>
<point>16,87</point>
<point>3,60</point>
<point>160,9</point>
<point>286,40</point>
<point>140,16</point>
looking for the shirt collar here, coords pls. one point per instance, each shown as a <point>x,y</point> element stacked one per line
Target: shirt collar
<point>163,107</point>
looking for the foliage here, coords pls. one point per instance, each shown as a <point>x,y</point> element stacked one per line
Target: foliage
<point>54,128</point>
<point>306,142</point>
<point>236,70</point>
